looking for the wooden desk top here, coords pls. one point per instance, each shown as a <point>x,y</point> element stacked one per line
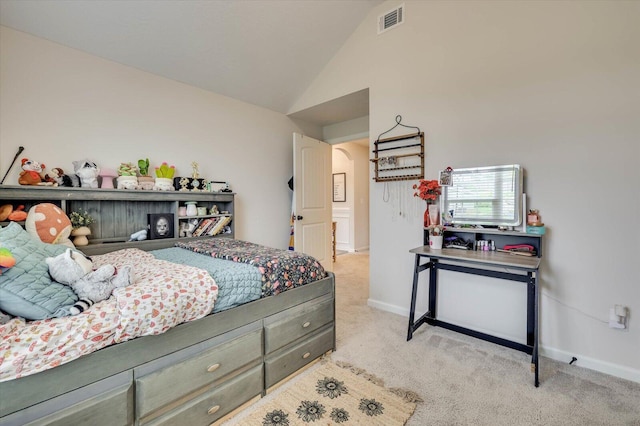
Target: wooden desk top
<point>486,258</point>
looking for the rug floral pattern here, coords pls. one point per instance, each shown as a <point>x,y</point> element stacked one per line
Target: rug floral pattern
<point>333,394</point>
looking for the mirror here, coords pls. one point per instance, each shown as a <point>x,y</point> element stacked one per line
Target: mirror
<point>484,196</point>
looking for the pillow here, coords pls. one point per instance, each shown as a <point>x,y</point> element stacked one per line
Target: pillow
<point>26,290</point>
<point>49,223</point>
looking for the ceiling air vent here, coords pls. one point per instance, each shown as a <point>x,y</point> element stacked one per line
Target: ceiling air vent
<point>391,19</point>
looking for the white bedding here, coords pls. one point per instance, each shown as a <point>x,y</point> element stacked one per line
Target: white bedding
<point>163,295</point>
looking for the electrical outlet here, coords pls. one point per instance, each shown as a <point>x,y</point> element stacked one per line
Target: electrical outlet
<point>618,316</point>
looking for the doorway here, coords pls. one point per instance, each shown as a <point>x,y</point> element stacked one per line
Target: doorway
<point>350,163</point>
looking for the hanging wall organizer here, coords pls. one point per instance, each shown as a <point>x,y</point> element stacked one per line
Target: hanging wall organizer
<point>399,157</point>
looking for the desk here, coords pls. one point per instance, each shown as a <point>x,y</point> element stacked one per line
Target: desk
<point>525,269</point>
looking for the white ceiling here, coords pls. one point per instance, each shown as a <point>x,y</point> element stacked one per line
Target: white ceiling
<point>264,52</point>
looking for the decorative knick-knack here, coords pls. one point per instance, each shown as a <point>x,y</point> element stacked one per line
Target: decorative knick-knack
<point>434,214</point>
<point>80,236</point>
<point>192,208</point>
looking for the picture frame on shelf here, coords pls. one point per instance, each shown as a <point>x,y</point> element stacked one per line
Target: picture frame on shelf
<point>160,225</point>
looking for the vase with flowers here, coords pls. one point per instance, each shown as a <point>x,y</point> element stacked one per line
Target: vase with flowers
<point>429,190</point>
<point>80,222</point>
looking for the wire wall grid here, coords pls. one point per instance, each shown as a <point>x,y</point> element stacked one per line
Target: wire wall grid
<point>399,157</point>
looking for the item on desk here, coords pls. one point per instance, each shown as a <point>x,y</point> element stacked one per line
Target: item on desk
<point>519,249</point>
<point>519,253</point>
<point>485,245</point>
<point>538,230</point>
<point>457,243</point>
<point>435,242</point>
<point>533,218</point>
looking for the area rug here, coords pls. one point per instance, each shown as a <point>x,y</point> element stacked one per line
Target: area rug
<point>335,394</point>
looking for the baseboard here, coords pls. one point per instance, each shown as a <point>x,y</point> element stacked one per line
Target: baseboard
<point>605,367</point>
<point>388,307</point>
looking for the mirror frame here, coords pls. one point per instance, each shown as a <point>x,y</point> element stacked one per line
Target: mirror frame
<point>497,173</point>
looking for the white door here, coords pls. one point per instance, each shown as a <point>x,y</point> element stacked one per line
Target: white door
<point>312,198</point>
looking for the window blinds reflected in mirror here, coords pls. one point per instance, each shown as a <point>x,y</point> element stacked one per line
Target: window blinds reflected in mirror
<point>485,196</point>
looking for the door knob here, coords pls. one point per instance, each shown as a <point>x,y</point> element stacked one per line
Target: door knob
<point>299,217</point>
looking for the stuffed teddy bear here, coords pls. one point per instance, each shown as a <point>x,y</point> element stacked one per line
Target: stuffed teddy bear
<point>74,269</point>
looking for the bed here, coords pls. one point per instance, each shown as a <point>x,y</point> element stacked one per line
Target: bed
<point>225,341</point>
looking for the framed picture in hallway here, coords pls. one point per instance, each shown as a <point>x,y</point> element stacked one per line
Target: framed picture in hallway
<point>339,189</point>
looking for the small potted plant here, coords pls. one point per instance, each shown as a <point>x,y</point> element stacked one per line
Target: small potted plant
<point>436,235</point>
<point>145,181</point>
<point>164,177</point>
<point>80,222</point>
<point>127,176</point>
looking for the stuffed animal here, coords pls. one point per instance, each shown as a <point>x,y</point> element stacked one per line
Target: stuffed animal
<point>18,215</point>
<point>48,223</point>
<point>5,211</point>
<point>31,173</point>
<point>139,236</point>
<point>74,269</point>
<point>86,174</point>
<point>59,177</point>
<point>6,259</point>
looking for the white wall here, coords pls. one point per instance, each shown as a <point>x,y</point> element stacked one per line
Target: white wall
<point>64,105</point>
<point>552,86</point>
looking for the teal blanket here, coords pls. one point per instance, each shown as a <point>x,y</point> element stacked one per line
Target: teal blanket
<point>238,283</point>
<point>281,269</point>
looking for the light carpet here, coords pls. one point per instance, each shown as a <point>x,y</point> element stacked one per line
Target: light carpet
<point>462,380</point>
<point>331,394</point>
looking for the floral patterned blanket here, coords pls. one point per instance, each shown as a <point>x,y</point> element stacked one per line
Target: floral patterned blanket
<point>281,269</point>
<point>163,295</point>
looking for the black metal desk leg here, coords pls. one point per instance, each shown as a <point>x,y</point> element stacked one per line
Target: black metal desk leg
<point>414,293</point>
<point>536,358</point>
<point>433,288</point>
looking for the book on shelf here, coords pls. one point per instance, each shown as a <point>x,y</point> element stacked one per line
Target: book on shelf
<point>219,225</point>
<point>203,225</point>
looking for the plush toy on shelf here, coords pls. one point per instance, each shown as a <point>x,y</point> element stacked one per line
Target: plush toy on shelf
<point>139,236</point>
<point>86,174</point>
<point>74,269</point>
<point>18,214</point>
<point>31,173</point>
<point>60,177</point>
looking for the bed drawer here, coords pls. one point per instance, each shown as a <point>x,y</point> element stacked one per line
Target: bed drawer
<point>107,402</point>
<point>210,406</point>
<point>287,360</point>
<point>160,388</point>
<point>287,326</point>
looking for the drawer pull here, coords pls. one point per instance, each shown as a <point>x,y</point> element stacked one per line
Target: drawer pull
<point>213,368</point>
<point>306,324</point>
<point>306,355</point>
<point>213,409</point>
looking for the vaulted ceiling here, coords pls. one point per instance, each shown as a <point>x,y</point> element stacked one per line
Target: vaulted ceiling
<point>264,52</point>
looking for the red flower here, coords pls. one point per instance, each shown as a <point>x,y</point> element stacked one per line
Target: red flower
<point>428,190</point>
